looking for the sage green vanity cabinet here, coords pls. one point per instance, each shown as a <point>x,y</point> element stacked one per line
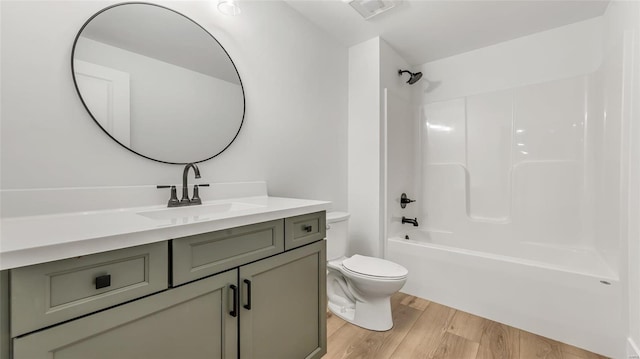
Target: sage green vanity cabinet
<point>284,315</point>
<point>235,293</point>
<point>186,322</point>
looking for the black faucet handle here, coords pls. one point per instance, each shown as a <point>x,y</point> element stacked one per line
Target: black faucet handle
<point>203,185</point>
<point>196,196</point>
<point>174,196</point>
<point>173,200</point>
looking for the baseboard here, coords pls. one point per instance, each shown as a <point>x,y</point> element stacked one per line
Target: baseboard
<point>633,352</point>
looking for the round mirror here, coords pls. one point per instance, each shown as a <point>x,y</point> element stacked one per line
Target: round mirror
<point>158,83</point>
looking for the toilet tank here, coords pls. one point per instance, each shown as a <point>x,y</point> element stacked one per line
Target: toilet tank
<point>337,234</point>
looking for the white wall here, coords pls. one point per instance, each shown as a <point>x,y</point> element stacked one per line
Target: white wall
<point>295,78</point>
<point>563,52</point>
<point>365,185</point>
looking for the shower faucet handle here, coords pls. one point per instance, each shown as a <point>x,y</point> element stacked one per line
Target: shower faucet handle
<point>404,200</point>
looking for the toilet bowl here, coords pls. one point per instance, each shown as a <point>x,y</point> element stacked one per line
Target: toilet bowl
<point>359,287</point>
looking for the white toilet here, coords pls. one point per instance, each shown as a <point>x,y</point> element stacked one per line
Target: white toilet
<point>359,288</point>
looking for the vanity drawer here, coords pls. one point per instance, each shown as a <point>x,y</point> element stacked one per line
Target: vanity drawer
<point>209,253</point>
<point>304,229</point>
<point>49,293</point>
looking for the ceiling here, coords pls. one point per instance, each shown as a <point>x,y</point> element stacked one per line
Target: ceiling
<point>423,31</point>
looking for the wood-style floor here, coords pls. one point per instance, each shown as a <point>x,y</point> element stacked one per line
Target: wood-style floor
<point>424,329</point>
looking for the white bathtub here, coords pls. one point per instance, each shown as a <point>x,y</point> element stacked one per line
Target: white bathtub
<point>555,292</point>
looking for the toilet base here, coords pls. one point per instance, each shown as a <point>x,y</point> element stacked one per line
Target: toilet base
<point>347,314</point>
<point>373,315</point>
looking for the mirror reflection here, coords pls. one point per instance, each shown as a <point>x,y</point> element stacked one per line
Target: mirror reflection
<point>158,83</point>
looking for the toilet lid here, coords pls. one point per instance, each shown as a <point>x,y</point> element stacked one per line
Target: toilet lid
<point>374,267</point>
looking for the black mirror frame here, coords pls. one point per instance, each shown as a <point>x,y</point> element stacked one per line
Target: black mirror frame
<point>75,83</point>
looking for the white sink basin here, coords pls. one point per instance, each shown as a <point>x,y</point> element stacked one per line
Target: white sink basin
<point>203,211</point>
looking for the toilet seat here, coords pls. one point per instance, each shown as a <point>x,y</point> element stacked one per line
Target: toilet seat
<point>371,267</point>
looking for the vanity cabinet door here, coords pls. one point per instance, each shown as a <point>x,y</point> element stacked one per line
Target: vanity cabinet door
<point>188,322</point>
<point>283,305</point>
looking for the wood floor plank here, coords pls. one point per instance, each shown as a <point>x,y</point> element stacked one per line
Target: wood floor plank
<point>398,298</point>
<point>534,346</point>
<point>344,340</point>
<point>455,347</point>
<point>333,323</point>
<point>381,345</point>
<point>467,326</point>
<point>426,334</point>
<point>415,302</point>
<point>499,341</point>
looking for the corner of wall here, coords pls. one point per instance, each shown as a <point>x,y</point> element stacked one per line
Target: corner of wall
<point>364,162</point>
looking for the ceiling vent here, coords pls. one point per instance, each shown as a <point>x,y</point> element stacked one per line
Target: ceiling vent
<point>371,8</point>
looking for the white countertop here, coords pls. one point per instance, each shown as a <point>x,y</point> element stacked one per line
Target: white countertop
<point>43,238</point>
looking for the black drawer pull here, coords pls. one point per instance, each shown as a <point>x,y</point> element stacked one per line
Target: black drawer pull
<point>308,228</point>
<point>103,281</point>
<point>248,305</point>
<point>234,311</point>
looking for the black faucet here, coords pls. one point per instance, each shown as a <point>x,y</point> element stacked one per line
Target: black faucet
<point>185,201</point>
<point>409,220</point>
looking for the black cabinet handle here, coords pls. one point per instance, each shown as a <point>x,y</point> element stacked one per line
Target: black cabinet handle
<point>308,228</point>
<point>234,311</point>
<point>103,281</point>
<point>248,305</point>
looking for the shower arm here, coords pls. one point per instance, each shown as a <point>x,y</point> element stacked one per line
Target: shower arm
<point>413,76</point>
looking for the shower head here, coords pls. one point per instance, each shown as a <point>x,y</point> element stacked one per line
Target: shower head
<point>415,76</point>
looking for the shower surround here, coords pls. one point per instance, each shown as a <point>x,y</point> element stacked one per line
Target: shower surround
<point>517,160</point>
<point>511,166</point>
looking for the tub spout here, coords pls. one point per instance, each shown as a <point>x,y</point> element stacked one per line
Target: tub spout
<point>413,221</point>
